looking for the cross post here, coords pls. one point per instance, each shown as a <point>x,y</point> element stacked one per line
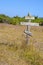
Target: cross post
<point>28,24</point>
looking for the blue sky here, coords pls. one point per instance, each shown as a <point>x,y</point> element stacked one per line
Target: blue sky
<point>21,7</point>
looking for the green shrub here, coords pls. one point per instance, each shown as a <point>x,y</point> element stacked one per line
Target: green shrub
<point>41,23</point>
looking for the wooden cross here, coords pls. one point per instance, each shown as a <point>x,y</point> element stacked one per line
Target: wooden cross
<point>28,24</point>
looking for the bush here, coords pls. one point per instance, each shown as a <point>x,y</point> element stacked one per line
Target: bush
<point>41,23</point>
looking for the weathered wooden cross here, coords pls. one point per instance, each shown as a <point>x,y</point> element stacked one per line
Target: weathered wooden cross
<point>28,24</point>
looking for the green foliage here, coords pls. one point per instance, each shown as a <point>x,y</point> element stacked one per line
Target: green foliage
<point>4,18</point>
<point>16,19</point>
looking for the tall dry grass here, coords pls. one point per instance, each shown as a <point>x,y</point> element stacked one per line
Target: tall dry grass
<point>13,47</point>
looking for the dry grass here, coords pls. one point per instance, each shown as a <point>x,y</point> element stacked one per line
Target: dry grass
<point>12,42</point>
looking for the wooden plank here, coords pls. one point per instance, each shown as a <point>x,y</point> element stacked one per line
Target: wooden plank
<point>29,24</point>
<point>29,17</point>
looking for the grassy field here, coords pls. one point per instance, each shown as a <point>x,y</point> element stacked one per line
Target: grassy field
<point>13,47</point>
